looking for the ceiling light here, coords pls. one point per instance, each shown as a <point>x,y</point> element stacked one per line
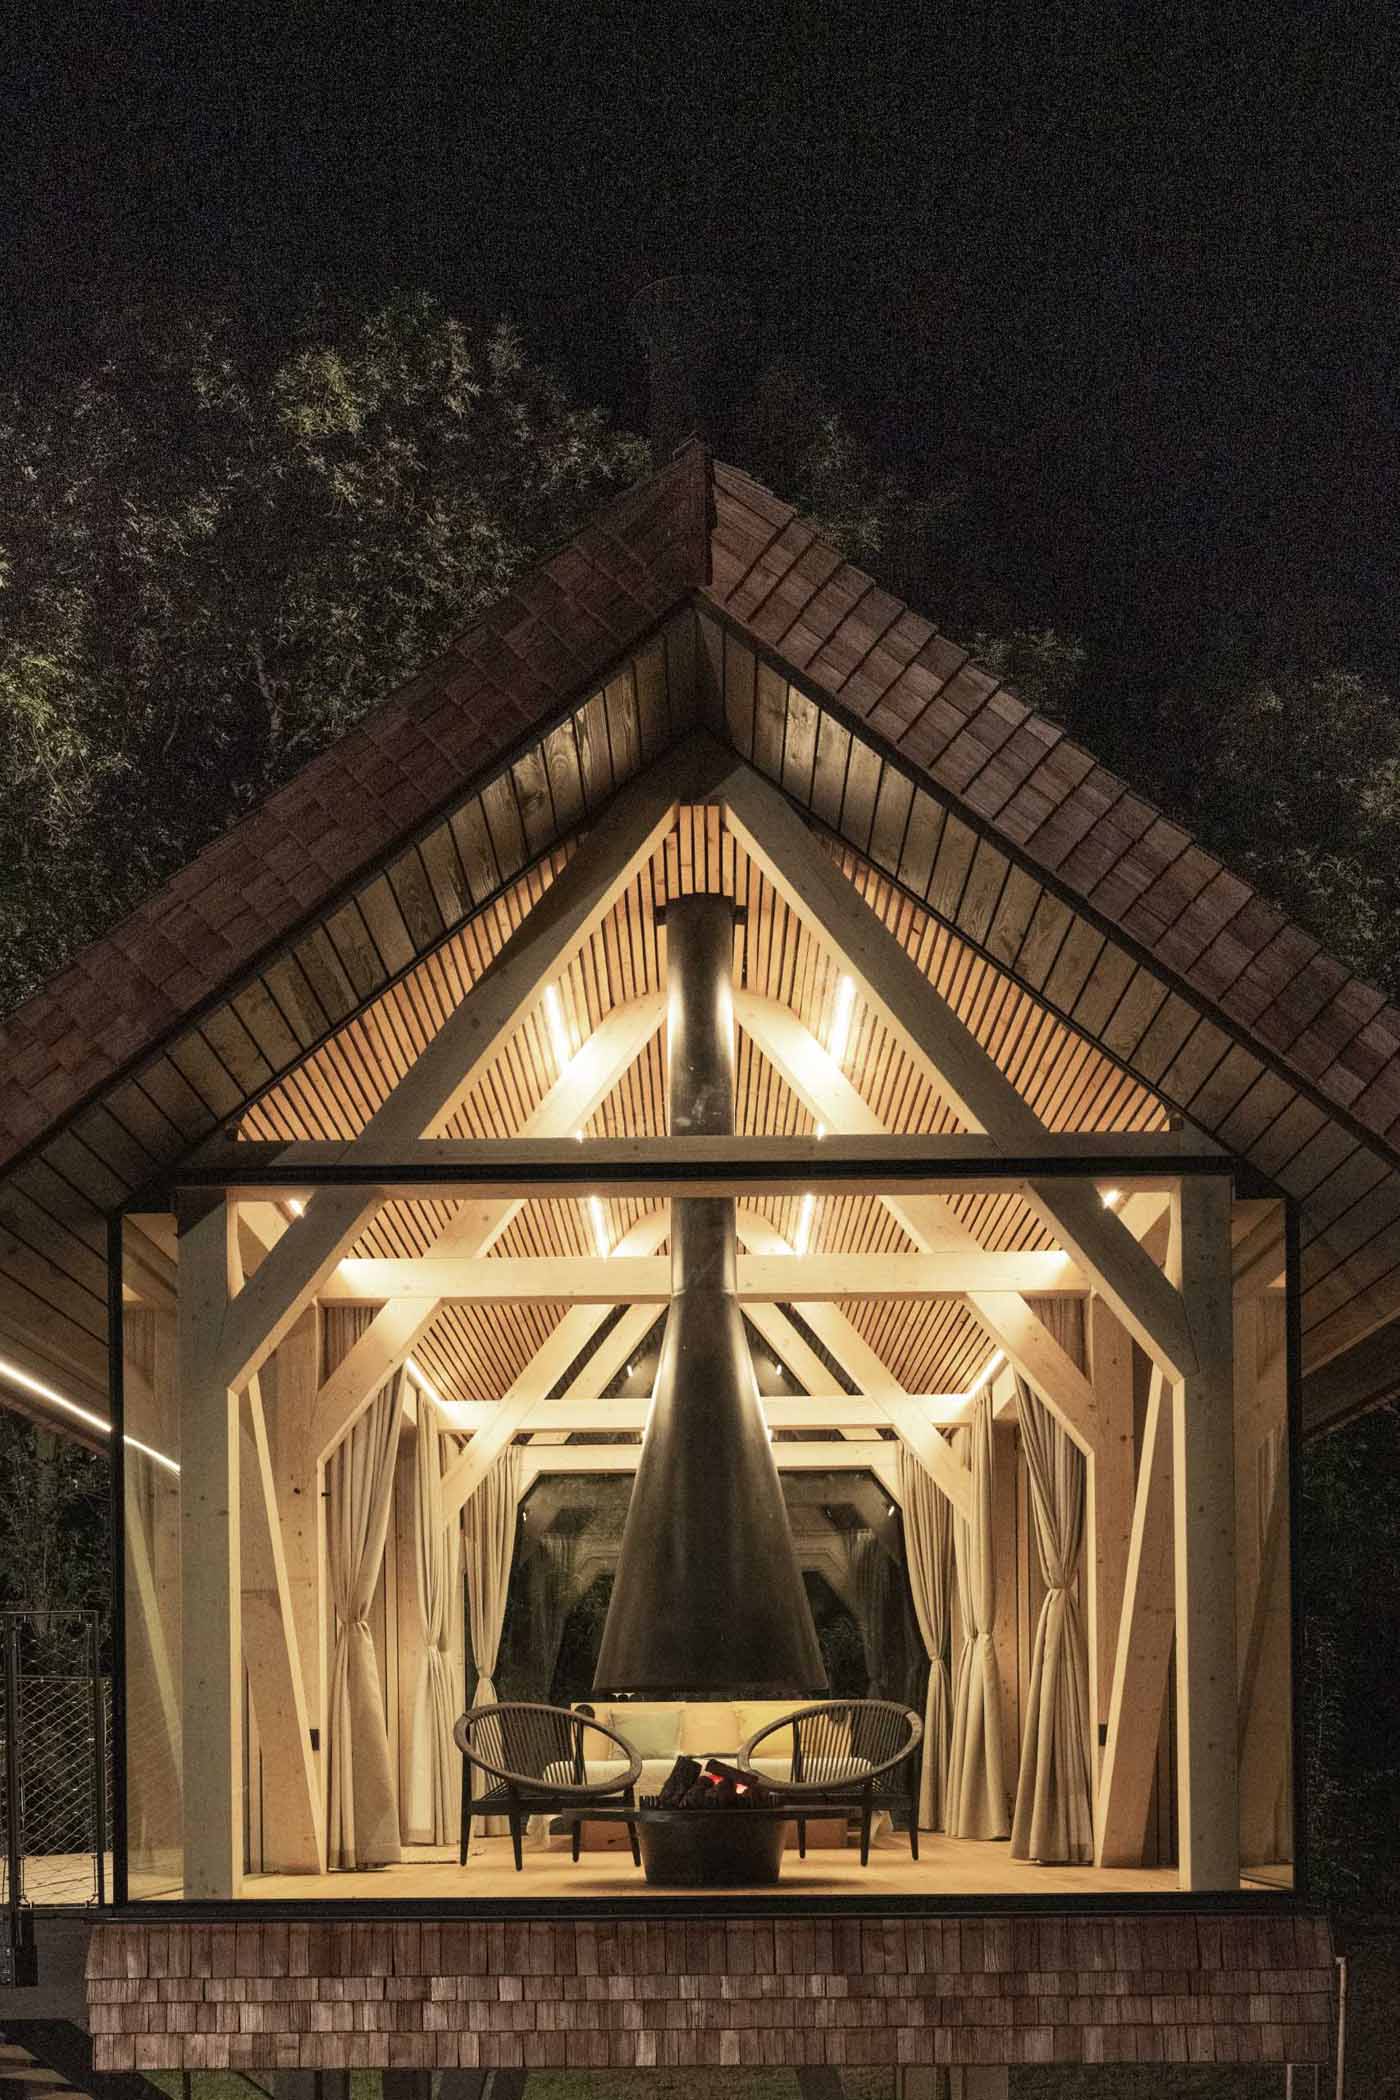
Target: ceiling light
<point>600,1226</point>
<point>804,1224</point>
<point>986,1374</point>
<point>554,1019</point>
<point>1112,1198</point>
<point>422,1381</point>
<point>841,1019</point>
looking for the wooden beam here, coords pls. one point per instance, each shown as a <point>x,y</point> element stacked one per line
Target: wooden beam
<point>878,1459</point>
<point>1109,1499</point>
<point>546,1368</point>
<point>861,1364</point>
<point>211,1675</point>
<point>474,1034</point>
<point>288,1382</point>
<point>777,840</point>
<point>1258,1259</point>
<point>1203,1481</point>
<point>614,1280</point>
<point>584,1084</point>
<point>461,1169</point>
<point>1146,1628</point>
<point>930,1221</point>
<point>293,1831</point>
<point>827,1410</point>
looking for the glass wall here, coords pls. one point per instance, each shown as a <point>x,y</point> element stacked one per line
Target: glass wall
<point>151,1577</point>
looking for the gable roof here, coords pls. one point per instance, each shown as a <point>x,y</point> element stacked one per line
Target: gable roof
<point>699,596</point>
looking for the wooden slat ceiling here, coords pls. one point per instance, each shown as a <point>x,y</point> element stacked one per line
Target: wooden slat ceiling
<point>475,1353</point>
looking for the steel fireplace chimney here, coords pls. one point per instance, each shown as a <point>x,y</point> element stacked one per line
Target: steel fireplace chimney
<point>708,1597</point>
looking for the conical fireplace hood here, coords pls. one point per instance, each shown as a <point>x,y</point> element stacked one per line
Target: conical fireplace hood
<point>708,1598</point>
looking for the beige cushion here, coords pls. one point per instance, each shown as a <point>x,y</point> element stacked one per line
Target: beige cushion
<point>708,1729</point>
<point>758,1715</point>
<point>653,1730</point>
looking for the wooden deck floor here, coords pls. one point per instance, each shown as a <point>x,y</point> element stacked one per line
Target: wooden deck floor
<point>947,1866</point>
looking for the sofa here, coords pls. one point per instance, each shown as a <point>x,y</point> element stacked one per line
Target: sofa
<point>662,1731</point>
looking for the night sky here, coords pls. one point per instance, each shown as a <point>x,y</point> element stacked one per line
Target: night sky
<point>1133,270</point>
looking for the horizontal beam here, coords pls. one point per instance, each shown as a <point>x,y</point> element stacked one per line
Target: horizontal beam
<point>832,1410</point>
<point>664,1166</point>
<point>763,1280</point>
<point>879,1459</point>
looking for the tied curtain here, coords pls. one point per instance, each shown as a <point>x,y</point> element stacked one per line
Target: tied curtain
<point>976,1792</point>
<point>1054,1818</point>
<point>434,1793</point>
<point>362,1821</point>
<point>488,1548</point>
<point>928,1552</point>
<point>488,1544</point>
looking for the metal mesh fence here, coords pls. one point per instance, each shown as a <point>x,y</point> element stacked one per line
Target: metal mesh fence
<point>55,1764</point>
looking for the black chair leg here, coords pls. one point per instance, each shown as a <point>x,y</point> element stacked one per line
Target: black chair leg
<point>913,1833</point>
<point>466,1813</point>
<point>865,1832</point>
<point>577,1837</point>
<point>516,1832</point>
<point>465,1845</point>
<point>802,1837</point>
<point>630,1797</point>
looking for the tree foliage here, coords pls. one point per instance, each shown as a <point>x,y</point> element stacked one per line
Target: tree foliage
<point>216,554</point>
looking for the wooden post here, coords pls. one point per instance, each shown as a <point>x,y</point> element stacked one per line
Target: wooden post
<point>1142,1657</point>
<point>211,1632</point>
<point>1109,1487</point>
<point>292,1376</point>
<point>1203,1483</point>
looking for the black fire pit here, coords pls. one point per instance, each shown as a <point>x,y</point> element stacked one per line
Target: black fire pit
<point>716,1848</point>
<point>700,1848</point>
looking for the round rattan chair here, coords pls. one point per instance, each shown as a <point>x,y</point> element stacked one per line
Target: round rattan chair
<point>847,1754</point>
<point>532,1760</point>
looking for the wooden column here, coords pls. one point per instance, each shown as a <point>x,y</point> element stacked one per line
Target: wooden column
<point>1203,1485</point>
<point>211,1642</point>
<point>292,1380</point>
<point>1142,1656</point>
<point>1109,1489</point>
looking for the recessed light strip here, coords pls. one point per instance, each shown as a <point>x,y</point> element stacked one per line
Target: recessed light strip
<point>27,1384</point>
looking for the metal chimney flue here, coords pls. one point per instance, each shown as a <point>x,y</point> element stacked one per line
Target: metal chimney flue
<point>708,1599</point>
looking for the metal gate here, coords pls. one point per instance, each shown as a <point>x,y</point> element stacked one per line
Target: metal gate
<point>55,1766</point>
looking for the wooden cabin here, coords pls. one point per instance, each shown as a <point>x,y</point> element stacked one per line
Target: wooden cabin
<point>338,1195</point>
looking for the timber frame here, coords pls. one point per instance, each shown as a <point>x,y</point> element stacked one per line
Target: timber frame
<point>1179,1312</point>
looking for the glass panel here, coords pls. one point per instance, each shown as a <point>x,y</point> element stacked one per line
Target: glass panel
<point>1263,1545</point>
<point>151,1576</point>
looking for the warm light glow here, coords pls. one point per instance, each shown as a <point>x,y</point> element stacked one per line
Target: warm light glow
<point>804,1224</point>
<point>600,1226</point>
<point>986,1374</point>
<point>23,1380</point>
<point>554,1018</point>
<point>841,1019</point>
<point>821,1130</point>
<point>1112,1198</point>
<point>423,1382</point>
<point>294,1206</point>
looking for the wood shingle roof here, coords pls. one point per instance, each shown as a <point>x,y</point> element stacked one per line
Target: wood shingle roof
<point>698,598</point>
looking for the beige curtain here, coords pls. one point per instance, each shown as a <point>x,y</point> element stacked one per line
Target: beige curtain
<point>434,1804</point>
<point>362,1821</point>
<point>1054,1818</point>
<point>488,1544</point>
<point>976,1767</point>
<point>928,1554</point>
